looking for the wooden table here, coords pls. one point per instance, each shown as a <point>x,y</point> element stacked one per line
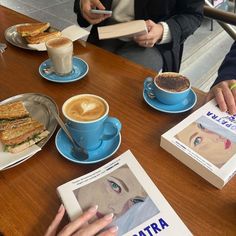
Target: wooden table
<point>28,199</point>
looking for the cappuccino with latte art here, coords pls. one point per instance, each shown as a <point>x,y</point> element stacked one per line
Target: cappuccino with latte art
<point>85,108</point>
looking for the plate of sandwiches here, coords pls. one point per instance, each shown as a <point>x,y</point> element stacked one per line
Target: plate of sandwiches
<point>26,125</point>
<point>24,35</point>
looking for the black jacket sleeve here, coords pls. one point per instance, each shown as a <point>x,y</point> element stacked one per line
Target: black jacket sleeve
<point>227,70</point>
<point>187,18</point>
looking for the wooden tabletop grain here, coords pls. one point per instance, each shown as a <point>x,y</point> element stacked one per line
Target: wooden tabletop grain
<point>28,199</point>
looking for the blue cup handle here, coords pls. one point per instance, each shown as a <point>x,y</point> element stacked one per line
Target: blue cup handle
<point>149,87</point>
<point>113,124</point>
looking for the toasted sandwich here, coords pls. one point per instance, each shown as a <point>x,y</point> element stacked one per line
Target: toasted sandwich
<point>32,29</point>
<point>18,138</point>
<point>42,37</point>
<point>10,124</point>
<point>12,111</point>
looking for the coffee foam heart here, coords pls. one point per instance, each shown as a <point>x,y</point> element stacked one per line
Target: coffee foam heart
<point>86,107</point>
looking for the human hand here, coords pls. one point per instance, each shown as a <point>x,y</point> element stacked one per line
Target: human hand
<point>80,226</point>
<point>225,97</point>
<point>92,18</point>
<point>155,32</point>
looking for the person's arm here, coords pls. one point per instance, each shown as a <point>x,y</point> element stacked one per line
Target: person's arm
<point>225,97</point>
<point>80,226</point>
<point>186,20</point>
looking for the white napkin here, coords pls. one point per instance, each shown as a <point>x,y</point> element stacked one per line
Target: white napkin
<point>72,32</point>
<point>7,159</point>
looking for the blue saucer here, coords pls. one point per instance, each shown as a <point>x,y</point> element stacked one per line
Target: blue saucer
<point>107,149</point>
<point>183,106</point>
<point>80,69</point>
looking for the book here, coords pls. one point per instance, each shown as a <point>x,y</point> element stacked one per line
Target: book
<point>123,188</point>
<point>126,29</point>
<point>205,141</point>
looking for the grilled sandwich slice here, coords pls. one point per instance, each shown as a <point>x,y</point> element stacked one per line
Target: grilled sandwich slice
<point>23,136</point>
<point>12,111</point>
<point>10,124</point>
<point>32,29</point>
<point>42,37</point>
<point>22,133</point>
<point>26,144</point>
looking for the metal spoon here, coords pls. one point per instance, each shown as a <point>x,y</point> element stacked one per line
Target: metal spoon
<point>77,151</point>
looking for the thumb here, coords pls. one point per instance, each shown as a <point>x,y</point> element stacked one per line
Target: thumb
<point>52,229</point>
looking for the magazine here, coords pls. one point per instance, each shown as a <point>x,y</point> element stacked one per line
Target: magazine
<point>123,188</point>
<point>205,141</point>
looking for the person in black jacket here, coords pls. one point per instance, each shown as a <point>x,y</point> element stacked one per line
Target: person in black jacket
<point>224,87</point>
<point>169,23</point>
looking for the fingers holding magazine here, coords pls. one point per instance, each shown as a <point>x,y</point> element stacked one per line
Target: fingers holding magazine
<point>80,226</point>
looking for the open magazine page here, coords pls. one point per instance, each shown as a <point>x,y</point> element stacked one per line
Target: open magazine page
<point>124,188</point>
<point>208,136</point>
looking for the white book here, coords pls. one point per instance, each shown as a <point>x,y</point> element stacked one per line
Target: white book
<point>205,141</point>
<point>126,29</point>
<point>123,188</point>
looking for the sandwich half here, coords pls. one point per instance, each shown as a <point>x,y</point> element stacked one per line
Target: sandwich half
<point>12,111</point>
<point>42,37</point>
<point>10,124</point>
<point>20,137</point>
<point>32,29</point>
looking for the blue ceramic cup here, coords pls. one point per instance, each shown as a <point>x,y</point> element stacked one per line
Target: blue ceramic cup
<point>88,121</point>
<point>169,88</point>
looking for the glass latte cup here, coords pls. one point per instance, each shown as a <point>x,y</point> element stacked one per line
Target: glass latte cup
<point>60,51</point>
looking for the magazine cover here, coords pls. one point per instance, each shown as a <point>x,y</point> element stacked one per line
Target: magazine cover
<point>206,142</point>
<point>123,188</point>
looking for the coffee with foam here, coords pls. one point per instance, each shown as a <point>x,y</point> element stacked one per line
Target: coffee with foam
<point>60,51</point>
<point>172,82</point>
<point>85,108</point>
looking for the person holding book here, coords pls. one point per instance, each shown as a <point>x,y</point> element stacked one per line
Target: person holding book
<point>224,87</point>
<point>213,142</point>
<point>169,24</point>
<point>80,226</point>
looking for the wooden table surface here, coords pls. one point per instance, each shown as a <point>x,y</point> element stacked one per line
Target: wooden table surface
<point>28,199</point>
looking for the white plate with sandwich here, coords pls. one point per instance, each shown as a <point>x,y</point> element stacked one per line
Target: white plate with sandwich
<point>33,36</point>
<point>26,124</point>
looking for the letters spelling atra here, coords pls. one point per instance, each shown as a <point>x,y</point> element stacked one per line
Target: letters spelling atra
<point>153,228</point>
